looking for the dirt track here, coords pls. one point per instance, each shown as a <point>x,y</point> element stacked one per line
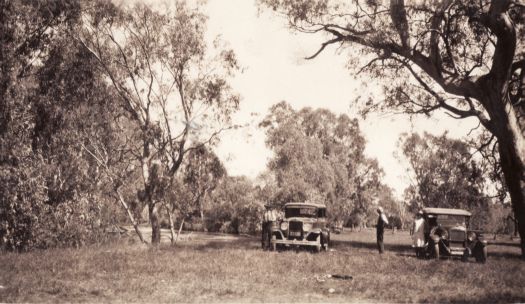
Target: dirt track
<point>186,236</point>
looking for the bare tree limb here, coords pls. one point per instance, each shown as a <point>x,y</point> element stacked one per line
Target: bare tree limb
<point>117,192</point>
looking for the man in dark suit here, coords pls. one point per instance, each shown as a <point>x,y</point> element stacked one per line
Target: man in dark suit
<point>382,221</point>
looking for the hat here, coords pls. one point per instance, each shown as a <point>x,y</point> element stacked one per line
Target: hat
<point>380,209</point>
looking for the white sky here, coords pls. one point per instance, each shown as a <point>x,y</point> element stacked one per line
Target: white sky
<point>273,70</point>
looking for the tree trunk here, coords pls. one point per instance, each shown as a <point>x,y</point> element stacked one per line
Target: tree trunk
<point>130,216</point>
<point>202,220</point>
<point>172,228</point>
<point>154,221</point>
<point>201,207</point>
<point>180,229</point>
<point>513,171</point>
<point>504,125</point>
<point>511,143</point>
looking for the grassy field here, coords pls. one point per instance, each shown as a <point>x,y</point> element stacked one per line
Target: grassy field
<point>236,270</point>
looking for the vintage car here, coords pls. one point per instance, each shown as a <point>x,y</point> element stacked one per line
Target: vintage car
<point>304,224</point>
<point>447,233</point>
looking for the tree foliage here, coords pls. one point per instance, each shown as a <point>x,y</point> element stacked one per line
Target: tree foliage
<point>189,193</point>
<point>319,157</point>
<point>234,207</point>
<point>444,174</point>
<point>51,193</point>
<point>201,174</point>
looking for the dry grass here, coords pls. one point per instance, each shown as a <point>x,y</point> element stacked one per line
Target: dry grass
<point>238,271</point>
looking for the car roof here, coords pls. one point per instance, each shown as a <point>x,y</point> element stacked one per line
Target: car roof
<point>303,204</point>
<point>449,211</point>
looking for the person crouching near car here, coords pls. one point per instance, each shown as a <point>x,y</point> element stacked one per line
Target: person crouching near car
<point>418,234</point>
<point>382,221</point>
<point>269,216</point>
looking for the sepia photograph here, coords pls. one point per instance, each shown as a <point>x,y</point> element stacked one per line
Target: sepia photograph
<point>262,151</point>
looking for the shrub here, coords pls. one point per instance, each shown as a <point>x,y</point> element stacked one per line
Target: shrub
<point>28,220</point>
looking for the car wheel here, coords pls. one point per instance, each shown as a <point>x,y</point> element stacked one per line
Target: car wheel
<point>273,243</point>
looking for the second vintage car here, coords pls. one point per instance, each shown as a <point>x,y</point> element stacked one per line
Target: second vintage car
<point>304,224</point>
<point>447,233</point>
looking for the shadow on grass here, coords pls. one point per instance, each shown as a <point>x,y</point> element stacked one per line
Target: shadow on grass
<point>504,243</point>
<point>407,251</point>
<point>244,243</point>
<point>397,248</point>
<point>504,255</point>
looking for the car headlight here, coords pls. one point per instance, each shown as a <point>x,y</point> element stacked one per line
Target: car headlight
<point>284,225</point>
<point>307,226</point>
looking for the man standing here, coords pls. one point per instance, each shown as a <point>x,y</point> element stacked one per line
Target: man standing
<point>382,221</point>
<point>269,217</point>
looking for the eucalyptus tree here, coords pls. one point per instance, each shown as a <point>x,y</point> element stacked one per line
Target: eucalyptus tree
<point>199,176</point>
<point>466,58</point>
<point>26,36</point>
<point>319,156</point>
<point>173,85</point>
<point>444,174</point>
<point>235,206</point>
<point>73,107</point>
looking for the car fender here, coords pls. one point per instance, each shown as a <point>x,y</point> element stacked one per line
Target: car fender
<point>278,233</point>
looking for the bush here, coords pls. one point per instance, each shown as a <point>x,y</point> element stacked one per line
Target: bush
<point>21,195</point>
<point>28,220</point>
<point>395,221</point>
<point>243,219</point>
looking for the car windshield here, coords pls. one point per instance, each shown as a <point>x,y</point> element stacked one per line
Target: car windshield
<point>451,220</point>
<point>303,212</point>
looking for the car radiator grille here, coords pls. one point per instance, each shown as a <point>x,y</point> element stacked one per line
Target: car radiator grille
<point>295,230</point>
<point>457,235</point>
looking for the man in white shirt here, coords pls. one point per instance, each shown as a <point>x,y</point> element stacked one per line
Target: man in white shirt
<point>269,216</point>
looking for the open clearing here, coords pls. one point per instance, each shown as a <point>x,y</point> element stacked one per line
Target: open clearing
<point>222,268</point>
